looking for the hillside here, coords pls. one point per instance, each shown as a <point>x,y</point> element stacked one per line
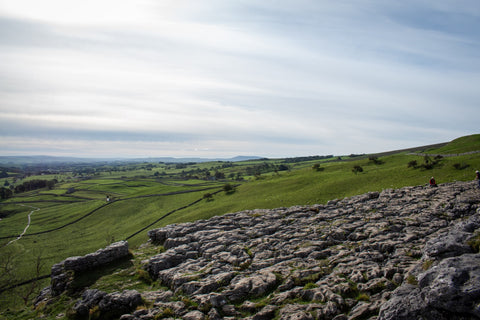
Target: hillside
<point>357,258</point>
<point>73,218</point>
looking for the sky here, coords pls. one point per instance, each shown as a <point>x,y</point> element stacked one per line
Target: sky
<point>217,78</point>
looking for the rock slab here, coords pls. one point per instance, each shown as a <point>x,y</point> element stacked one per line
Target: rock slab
<point>63,273</point>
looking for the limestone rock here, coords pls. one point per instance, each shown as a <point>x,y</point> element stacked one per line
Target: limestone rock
<point>63,273</point>
<point>396,254</point>
<point>106,306</point>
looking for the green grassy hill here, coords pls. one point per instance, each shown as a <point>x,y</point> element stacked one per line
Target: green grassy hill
<point>75,218</point>
<point>460,145</point>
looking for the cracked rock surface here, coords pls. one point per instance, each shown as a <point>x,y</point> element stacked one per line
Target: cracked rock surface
<point>395,254</point>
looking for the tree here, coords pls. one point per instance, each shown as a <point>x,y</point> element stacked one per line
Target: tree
<point>228,188</point>
<point>5,193</point>
<point>31,288</point>
<point>375,160</point>
<point>413,164</point>
<point>219,175</point>
<point>356,169</point>
<point>208,196</point>
<point>7,269</point>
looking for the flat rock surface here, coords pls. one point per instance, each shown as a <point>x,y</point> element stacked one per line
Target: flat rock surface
<point>362,257</point>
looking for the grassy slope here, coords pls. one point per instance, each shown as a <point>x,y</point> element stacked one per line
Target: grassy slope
<point>300,186</point>
<point>306,186</point>
<point>460,145</point>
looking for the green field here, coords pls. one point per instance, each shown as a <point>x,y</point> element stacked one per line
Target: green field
<point>74,218</point>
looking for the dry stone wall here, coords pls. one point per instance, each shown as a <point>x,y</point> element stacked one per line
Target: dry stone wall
<point>63,273</point>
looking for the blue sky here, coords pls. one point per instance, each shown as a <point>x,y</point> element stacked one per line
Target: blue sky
<point>223,78</point>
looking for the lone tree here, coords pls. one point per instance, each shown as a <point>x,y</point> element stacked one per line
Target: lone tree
<point>375,160</point>
<point>356,169</point>
<point>208,196</point>
<point>228,188</point>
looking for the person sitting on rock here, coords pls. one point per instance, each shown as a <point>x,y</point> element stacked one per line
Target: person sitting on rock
<point>432,182</point>
<point>477,176</point>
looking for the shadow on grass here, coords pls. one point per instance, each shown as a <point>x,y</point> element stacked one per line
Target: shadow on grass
<point>90,277</point>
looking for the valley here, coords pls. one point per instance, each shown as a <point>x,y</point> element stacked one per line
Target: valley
<point>92,205</point>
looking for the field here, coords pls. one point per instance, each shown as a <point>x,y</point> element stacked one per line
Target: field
<point>91,207</point>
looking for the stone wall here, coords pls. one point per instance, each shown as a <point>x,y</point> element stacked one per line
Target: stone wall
<point>63,273</point>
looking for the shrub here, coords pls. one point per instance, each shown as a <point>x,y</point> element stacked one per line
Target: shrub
<point>461,166</point>
<point>429,163</point>
<point>413,164</point>
<point>228,188</point>
<point>375,160</point>
<point>208,196</point>
<point>317,167</point>
<point>356,169</point>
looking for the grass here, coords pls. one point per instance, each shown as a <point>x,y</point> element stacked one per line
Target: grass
<point>460,145</point>
<point>130,212</point>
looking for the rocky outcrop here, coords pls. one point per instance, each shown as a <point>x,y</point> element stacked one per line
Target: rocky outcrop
<point>410,253</point>
<point>96,304</point>
<point>349,259</point>
<point>450,287</point>
<point>63,273</point>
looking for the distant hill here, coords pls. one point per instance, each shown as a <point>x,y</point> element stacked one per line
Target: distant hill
<point>186,160</point>
<point>41,159</point>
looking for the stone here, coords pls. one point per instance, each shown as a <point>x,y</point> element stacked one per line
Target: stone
<point>109,305</point>
<point>396,254</point>
<point>194,315</point>
<point>450,289</point>
<point>63,273</point>
<point>294,312</point>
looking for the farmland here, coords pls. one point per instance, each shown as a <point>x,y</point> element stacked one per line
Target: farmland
<point>94,204</point>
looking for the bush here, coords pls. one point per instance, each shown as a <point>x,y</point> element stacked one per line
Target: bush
<point>461,166</point>
<point>228,188</point>
<point>375,160</point>
<point>208,196</point>
<point>356,169</point>
<point>428,163</point>
<point>413,164</point>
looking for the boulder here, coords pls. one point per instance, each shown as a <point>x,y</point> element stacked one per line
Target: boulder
<point>106,306</point>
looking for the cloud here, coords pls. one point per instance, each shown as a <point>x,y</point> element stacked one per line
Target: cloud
<point>244,77</point>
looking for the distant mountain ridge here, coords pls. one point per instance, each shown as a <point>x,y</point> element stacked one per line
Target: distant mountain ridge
<point>41,159</point>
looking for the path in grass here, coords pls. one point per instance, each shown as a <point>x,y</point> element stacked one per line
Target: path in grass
<point>102,206</point>
<point>28,223</point>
